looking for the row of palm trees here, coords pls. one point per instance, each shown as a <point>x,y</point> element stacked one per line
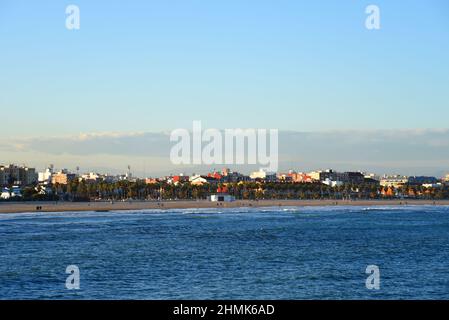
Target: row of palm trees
<point>139,190</point>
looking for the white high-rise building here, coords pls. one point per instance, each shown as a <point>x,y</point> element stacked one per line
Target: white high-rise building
<point>45,177</point>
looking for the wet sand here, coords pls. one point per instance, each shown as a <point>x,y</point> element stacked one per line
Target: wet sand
<point>20,207</point>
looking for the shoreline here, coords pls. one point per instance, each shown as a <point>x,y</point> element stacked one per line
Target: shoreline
<point>28,207</point>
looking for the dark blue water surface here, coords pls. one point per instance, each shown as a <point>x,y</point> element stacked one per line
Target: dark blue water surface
<point>248,253</point>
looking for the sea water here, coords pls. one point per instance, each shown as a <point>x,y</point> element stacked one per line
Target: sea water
<point>244,253</point>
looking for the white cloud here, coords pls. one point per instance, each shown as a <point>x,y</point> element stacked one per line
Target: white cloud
<point>405,151</point>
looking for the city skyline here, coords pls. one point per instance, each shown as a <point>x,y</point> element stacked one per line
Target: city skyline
<point>25,176</point>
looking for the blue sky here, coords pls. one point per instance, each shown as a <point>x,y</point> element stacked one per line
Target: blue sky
<point>136,67</point>
<point>158,65</point>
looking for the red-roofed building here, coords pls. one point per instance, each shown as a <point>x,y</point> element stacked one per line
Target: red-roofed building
<point>222,195</point>
<point>215,175</point>
<point>151,180</point>
<point>179,179</point>
<point>300,177</point>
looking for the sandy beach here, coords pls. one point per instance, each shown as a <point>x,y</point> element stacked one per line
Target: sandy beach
<point>21,207</point>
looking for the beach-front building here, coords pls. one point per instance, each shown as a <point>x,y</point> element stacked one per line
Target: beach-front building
<point>350,177</point>
<point>395,181</point>
<point>295,177</point>
<point>199,180</point>
<point>222,195</point>
<point>222,198</point>
<point>323,175</point>
<point>91,177</point>
<point>62,177</point>
<point>45,176</point>
<point>300,177</point>
<point>19,175</point>
<point>263,175</point>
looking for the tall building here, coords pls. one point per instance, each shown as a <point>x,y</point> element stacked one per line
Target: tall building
<point>27,175</point>
<point>13,174</point>
<point>352,177</point>
<point>62,177</point>
<point>45,177</point>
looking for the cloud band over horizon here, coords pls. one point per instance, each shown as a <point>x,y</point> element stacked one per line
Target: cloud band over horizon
<point>420,152</point>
